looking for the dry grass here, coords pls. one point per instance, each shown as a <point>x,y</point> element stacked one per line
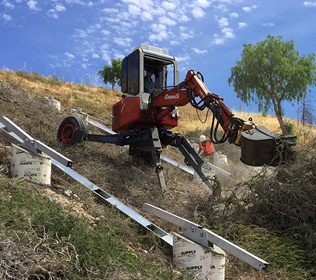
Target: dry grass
<point>98,102</point>
<point>95,100</point>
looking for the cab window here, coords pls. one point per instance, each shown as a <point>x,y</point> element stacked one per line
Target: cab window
<point>130,74</point>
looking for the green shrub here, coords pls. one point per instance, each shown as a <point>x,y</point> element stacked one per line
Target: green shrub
<point>291,130</point>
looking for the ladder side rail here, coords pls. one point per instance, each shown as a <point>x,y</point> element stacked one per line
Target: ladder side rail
<point>115,202</point>
<point>206,237</point>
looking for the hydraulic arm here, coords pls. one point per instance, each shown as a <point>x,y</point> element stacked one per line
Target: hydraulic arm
<point>259,145</point>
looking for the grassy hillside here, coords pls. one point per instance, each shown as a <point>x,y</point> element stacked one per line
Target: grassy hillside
<point>76,237</point>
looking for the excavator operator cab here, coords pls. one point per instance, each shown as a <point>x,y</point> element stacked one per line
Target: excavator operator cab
<point>134,68</point>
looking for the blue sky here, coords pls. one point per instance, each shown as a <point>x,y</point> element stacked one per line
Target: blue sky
<point>74,39</point>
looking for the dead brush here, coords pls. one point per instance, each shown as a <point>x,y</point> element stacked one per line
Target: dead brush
<point>25,255</point>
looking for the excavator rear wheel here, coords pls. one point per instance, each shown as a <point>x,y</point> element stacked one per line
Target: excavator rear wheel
<point>72,131</point>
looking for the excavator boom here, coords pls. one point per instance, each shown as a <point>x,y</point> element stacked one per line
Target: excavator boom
<point>264,144</point>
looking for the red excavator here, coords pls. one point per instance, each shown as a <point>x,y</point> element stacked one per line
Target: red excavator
<point>144,116</point>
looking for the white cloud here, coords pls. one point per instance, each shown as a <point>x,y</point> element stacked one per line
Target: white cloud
<point>186,35</point>
<point>221,7</point>
<point>233,15</point>
<point>114,20</point>
<point>161,35</point>
<point>203,3</point>
<point>173,15</point>
<point>93,28</point>
<point>84,66</point>
<point>228,32</point>
<point>242,25</point>
<point>124,42</point>
<point>197,12</point>
<point>198,51</point>
<point>139,2</point>
<point>7,4</point>
<point>144,10</point>
<point>134,10</point>
<point>219,41</point>
<point>110,10</point>
<point>94,55</point>
<point>74,2</point>
<point>168,5</point>
<point>183,58</point>
<point>250,9</point>
<point>106,57</point>
<point>269,24</point>
<point>184,18</point>
<point>69,55</point>
<point>80,33</point>
<point>124,27</point>
<point>105,32</point>
<point>7,17</point>
<point>157,11</point>
<point>104,49</point>
<point>52,13</point>
<point>183,28</point>
<point>32,5</point>
<point>118,54</point>
<point>174,43</point>
<point>60,8</point>
<point>309,4</point>
<point>222,22</point>
<point>167,21</point>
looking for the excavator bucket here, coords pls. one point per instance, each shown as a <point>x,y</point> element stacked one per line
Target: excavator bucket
<point>260,146</point>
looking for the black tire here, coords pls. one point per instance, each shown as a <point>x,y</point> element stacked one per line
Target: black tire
<point>72,131</point>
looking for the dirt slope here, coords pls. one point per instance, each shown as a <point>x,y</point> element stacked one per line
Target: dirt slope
<point>109,167</point>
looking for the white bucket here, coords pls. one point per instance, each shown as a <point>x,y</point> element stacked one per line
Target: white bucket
<point>204,263</point>
<point>35,168</point>
<point>53,103</point>
<point>221,159</point>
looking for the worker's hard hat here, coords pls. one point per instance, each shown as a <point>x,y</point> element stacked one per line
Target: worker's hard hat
<point>202,138</point>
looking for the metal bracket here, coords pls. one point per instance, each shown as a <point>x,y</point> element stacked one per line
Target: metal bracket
<point>206,237</point>
<point>30,143</point>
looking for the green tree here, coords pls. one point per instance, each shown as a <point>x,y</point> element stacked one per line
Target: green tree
<point>272,72</point>
<point>112,74</point>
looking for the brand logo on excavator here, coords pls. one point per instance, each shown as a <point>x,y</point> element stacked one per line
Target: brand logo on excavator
<point>167,96</point>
